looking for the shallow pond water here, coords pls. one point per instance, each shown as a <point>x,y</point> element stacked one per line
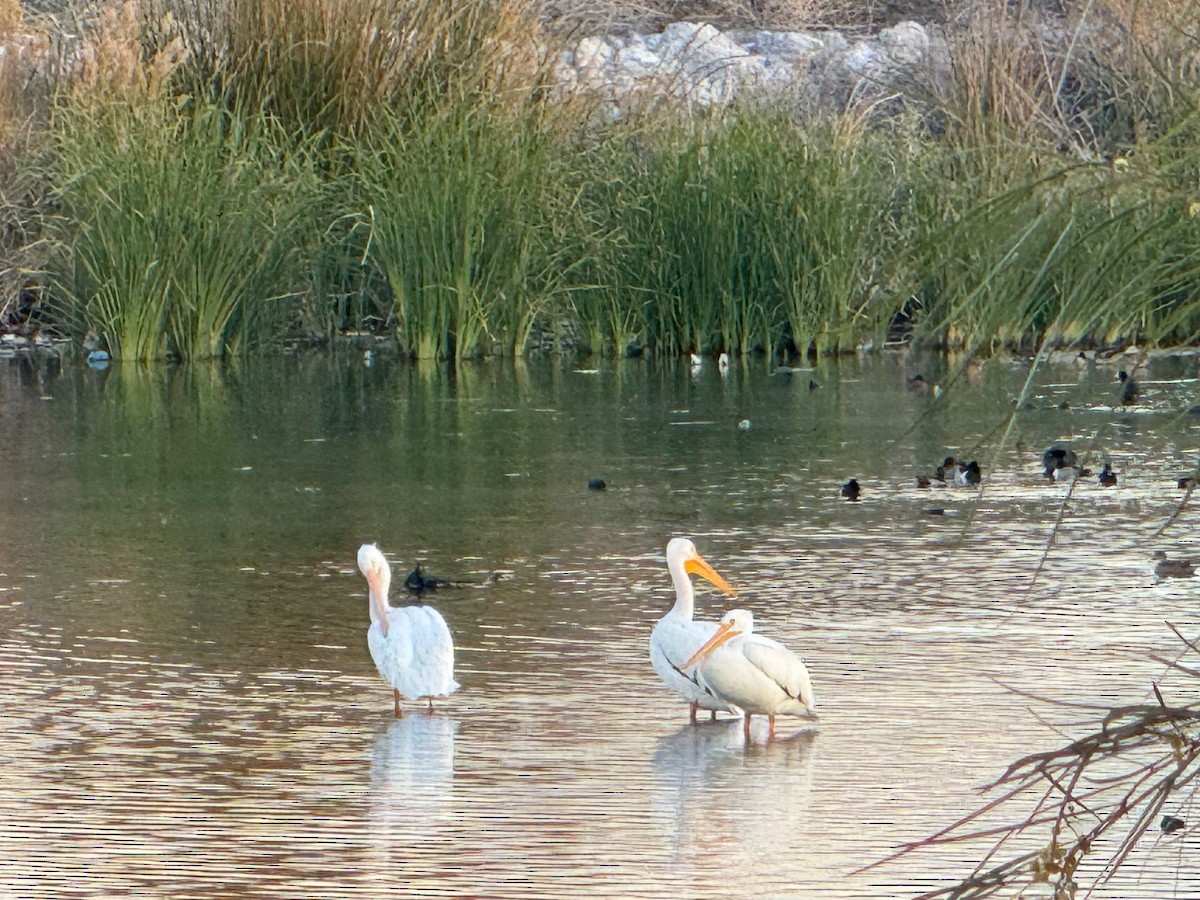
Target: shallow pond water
<point>190,708</point>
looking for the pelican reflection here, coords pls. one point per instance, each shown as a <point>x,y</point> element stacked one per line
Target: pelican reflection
<point>412,778</point>
<point>720,791</point>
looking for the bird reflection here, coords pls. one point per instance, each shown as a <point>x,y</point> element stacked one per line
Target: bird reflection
<point>724,796</point>
<point>412,777</point>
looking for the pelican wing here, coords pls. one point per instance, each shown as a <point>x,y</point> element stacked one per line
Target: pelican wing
<point>781,665</point>
<point>432,651</point>
<point>673,640</point>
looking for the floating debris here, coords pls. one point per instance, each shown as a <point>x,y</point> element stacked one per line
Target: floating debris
<point>597,484</point>
<point>743,425</point>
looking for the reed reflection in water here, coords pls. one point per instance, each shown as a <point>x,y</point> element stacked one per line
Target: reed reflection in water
<point>190,709</point>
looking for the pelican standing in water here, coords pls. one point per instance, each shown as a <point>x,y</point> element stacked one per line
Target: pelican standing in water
<point>677,634</point>
<point>753,673</point>
<point>411,645</point>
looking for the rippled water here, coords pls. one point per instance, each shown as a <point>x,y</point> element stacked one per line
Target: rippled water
<point>189,707</point>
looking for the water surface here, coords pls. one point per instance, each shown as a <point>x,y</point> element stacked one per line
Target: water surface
<point>190,708</point>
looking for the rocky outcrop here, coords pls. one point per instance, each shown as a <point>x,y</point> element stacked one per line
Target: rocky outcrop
<point>699,65</point>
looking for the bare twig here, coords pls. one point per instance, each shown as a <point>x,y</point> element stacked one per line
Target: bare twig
<point>1074,796</point>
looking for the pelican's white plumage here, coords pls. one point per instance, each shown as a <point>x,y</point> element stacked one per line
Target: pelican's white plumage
<point>677,634</point>
<point>752,673</point>
<point>411,645</point>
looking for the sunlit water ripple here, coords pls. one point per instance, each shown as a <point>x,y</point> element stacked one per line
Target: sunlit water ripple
<point>190,710</point>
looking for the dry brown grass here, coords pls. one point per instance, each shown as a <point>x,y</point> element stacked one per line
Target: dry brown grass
<point>780,15</point>
<point>1003,77</point>
<point>115,62</point>
<point>22,192</point>
<point>1091,78</point>
<point>333,64</point>
<point>11,16</point>
<point>1143,57</point>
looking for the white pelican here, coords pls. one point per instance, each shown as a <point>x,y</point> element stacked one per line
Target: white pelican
<point>752,673</point>
<point>411,645</point>
<point>677,634</point>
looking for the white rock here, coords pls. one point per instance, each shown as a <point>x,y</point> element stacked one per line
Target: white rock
<point>698,64</point>
<point>907,43</point>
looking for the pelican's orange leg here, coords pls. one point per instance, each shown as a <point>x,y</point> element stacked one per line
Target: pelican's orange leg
<point>429,712</point>
<point>693,707</point>
<point>396,694</point>
<point>746,727</point>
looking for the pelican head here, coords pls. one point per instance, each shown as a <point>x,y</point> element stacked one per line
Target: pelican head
<point>374,565</point>
<point>734,623</point>
<point>683,557</point>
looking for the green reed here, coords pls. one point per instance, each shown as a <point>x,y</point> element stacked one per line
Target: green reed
<point>180,233</point>
<point>461,213</point>
<point>1086,253</point>
<point>299,171</point>
<point>741,233</point>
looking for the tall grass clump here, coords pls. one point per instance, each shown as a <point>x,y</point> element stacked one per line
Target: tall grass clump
<point>461,220</point>
<point>1039,212</point>
<point>1088,253</point>
<point>180,232</point>
<point>23,151</point>
<point>330,66</point>
<point>740,233</point>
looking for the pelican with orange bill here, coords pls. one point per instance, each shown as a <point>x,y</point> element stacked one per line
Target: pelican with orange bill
<point>752,673</point>
<point>677,633</point>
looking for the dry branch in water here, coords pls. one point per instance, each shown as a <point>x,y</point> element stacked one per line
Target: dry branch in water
<point>1122,774</point>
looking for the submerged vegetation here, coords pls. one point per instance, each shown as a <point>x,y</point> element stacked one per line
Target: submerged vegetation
<point>197,180</point>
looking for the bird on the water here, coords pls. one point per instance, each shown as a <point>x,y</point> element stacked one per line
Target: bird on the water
<point>968,475</point>
<point>677,634</point>
<point>851,490</point>
<point>753,673</point>
<point>1058,457</point>
<point>1172,568</point>
<point>1170,824</point>
<point>410,645</point>
<point>947,470</point>
<point>418,582</point>
<point>1130,389</point>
